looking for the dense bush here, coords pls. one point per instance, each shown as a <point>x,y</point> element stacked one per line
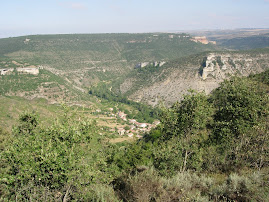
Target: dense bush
<point>52,160</point>
<point>4,138</point>
<point>241,116</point>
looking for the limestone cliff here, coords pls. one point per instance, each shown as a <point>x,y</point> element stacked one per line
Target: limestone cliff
<point>204,77</point>
<point>221,66</point>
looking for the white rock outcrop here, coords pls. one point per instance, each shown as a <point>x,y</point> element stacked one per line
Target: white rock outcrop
<point>25,70</point>
<point>220,66</point>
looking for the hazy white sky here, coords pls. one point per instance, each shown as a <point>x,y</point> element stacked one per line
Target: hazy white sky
<point>24,17</point>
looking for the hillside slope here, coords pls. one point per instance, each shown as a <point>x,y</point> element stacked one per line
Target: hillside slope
<point>147,68</point>
<point>202,72</point>
<point>89,58</point>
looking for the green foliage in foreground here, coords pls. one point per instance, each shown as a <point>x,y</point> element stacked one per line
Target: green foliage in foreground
<point>207,148</point>
<point>188,186</point>
<point>43,161</point>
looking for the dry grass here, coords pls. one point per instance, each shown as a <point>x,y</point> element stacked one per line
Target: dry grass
<point>122,139</point>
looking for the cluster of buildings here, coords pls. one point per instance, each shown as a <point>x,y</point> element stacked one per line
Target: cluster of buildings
<point>135,128</point>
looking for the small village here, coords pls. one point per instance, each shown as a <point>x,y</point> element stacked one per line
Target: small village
<point>135,128</point>
<point>132,127</point>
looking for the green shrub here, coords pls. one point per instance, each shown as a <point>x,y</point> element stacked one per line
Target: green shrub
<point>240,120</point>
<point>50,158</point>
<point>145,186</point>
<point>242,188</point>
<point>97,193</point>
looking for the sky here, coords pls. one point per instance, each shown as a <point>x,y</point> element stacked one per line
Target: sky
<point>27,17</point>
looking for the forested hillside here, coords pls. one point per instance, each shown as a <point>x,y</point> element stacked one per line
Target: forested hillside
<point>80,61</point>
<point>115,53</point>
<point>206,148</point>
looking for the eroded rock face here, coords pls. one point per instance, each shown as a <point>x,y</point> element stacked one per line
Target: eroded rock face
<point>21,70</point>
<point>34,71</point>
<point>222,66</point>
<point>144,64</point>
<point>202,39</point>
<point>217,67</point>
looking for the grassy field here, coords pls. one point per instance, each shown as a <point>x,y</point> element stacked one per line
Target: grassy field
<point>12,107</point>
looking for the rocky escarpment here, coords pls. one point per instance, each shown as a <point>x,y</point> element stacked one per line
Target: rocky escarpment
<point>222,66</point>
<point>214,69</point>
<point>20,70</point>
<point>154,64</point>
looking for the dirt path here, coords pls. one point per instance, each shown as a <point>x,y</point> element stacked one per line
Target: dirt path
<point>121,139</point>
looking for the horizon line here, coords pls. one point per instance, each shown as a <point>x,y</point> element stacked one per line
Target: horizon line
<point>168,31</point>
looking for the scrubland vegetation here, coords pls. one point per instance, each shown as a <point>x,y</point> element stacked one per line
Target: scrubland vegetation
<point>206,148</point>
<point>244,43</point>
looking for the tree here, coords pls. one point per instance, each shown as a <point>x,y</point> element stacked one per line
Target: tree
<point>48,158</point>
<point>186,122</point>
<point>191,115</point>
<point>241,105</point>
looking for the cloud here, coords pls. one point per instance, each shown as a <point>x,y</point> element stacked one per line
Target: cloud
<point>74,5</point>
